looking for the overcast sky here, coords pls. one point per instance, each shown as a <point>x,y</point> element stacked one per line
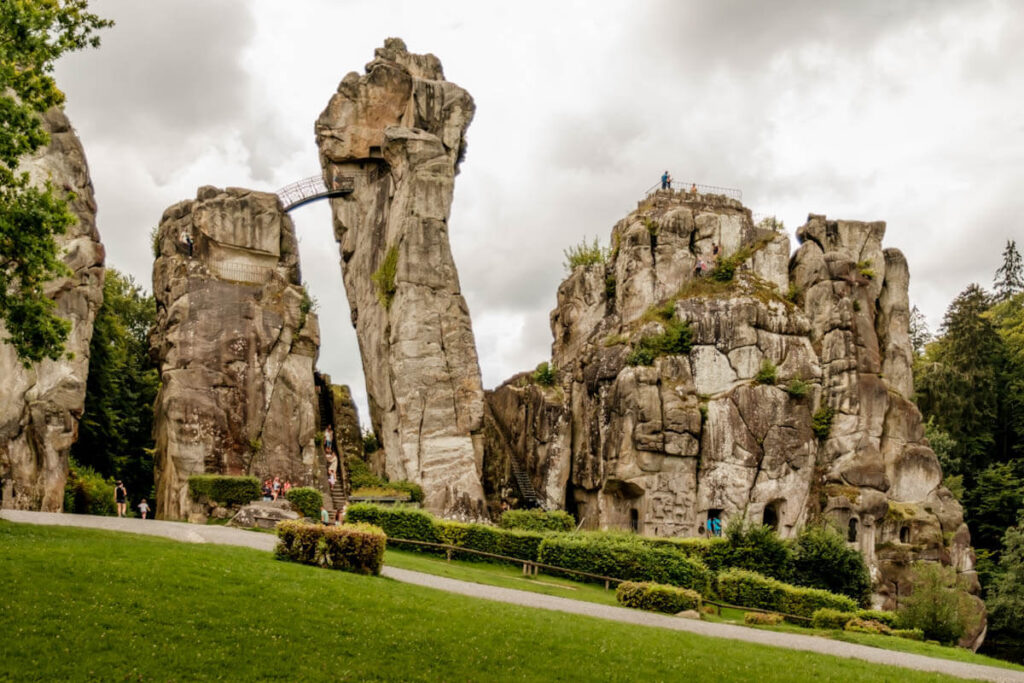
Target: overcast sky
<point>908,112</point>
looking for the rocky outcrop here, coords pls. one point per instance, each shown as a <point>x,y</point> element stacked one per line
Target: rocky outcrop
<point>397,133</point>
<point>781,394</point>
<point>40,405</point>
<point>236,342</point>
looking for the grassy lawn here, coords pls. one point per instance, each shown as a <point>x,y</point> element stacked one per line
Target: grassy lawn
<point>81,604</point>
<point>509,576</point>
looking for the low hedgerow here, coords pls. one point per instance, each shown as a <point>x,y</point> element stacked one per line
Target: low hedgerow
<point>762,619</point>
<point>220,488</point>
<point>908,633</point>
<point>397,522</point>
<point>867,626</point>
<point>713,552</point>
<point>750,589</point>
<point>836,619</point>
<point>656,597</point>
<point>622,557</point>
<point>537,520</point>
<point>472,536</point>
<point>355,548</point>
<point>307,500</point>
<point>520,544</point>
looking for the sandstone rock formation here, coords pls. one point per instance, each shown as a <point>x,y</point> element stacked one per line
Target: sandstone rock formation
<point>40,406</point>
<point>236,344</point>
<point>398,132</point>
<point>787,348</point>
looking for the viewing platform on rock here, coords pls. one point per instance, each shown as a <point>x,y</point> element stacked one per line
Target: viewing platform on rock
<point>313,188</point>
<point>689,187</point>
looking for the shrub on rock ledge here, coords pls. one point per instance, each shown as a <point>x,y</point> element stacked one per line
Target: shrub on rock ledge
<point>355,548</point>
<point>657,597</point>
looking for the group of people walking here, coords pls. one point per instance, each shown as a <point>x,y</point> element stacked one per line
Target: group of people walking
<point>330,456</point>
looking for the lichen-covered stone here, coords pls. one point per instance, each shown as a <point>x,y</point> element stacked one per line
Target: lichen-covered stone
<point>40,405</point>
<point>728,429</point>
<point>236,343</point>
<point>398,132</point>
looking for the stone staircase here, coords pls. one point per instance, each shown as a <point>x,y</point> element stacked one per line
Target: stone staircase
<point>336,499</point>
<point>525,486</point>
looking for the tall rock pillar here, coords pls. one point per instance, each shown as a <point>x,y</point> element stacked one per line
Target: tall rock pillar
<point>236,344</point>
<point>398,132</point>
<point>40,405</point>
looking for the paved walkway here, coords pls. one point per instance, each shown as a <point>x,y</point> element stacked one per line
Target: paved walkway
<point>190,533</point>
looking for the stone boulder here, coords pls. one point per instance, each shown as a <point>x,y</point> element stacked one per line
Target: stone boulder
<point>397,133</point>
<point>40,405</point>
<point>263,514</point>
<point>236,342</point>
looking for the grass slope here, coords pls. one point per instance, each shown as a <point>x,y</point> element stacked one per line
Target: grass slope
<point>81,604</point>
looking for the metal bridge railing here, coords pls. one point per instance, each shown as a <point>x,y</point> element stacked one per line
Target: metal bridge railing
<point>730,192</point>
<point>313,188</point>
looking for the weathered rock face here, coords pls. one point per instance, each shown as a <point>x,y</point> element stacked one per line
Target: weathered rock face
<point>236,344</point>
<point>399,133</point>
<point>665,446</point>
<point>40,406</point>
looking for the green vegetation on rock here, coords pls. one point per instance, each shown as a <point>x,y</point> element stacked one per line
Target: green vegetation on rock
<point>384,278</point>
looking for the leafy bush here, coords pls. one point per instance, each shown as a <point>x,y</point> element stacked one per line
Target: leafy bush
<point>859,625</point>
<point>713,552</point>
<point>676,339</point>
<point>521,544</point>
<point>657,597</point>
<point>537,520</point>
<point>86,492</point>
<point>307,500</point>
<point>361,477</point>
<point>350,547</point>
<point>609,287</point>
<point>545,375</point>
<point>584,254</point>
<point>762,619</point>
<point>836,619</point>
<point>771,223</point>
<point>821,422</point>
<point>767,373</point>
<point>757,548</point>
<point>384,278</point>
<point>397,522</point>
<point>908,633</point>
<point>623,557</point>
<point>750,589</point>
<point>939,605</point>
<point>228,490</point>
<point>370,442</point>
<point>822,559</point>
<point>725,269</point>
<point>890,619</point>
<point>797,388</point>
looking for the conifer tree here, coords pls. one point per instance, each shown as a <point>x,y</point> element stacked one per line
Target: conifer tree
<point>1009,279</point>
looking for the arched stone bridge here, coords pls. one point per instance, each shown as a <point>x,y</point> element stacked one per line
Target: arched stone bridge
<point>313,188</point>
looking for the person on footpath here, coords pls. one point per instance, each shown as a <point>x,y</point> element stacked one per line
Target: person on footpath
<point>144,508</point>
<point>121,498</point>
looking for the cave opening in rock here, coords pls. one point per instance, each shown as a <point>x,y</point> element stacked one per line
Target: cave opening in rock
<point>851,530</point>
<point>770,517</point>
<point>904,534</point>
<point>634,520</point>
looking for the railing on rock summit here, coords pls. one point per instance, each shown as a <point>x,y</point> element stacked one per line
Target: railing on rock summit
<point>241,272</point>
<point>313,188</point>
<point>730,192</point>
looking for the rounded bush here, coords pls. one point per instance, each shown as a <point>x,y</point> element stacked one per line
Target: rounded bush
<point>355,548</point>
<point>537,520</point>
<point>657,597</point>
<point>307,500</point>
<point>750,589</point>
<point>762,619</point>
<point>221,488</point>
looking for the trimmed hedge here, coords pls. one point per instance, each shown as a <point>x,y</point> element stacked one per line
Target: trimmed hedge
<point>750,589</point>
<point>355,548</point>
<point>867,626</point>
<point>908,633</point>
<point>836,619</point>
<point>761,619</point>
<point>307,499</point>
<point>622,557</point>
<point>397,522</point>
<point>657,597</point>
<point>537,520</point>
<point>713,552</point>
<point>220,488</point>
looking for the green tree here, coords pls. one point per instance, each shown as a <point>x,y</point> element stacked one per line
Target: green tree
<point>920,335</point>
<point>115,432</point>
<point>823,559</point>
<point>33,34</point>
<point>1008,318</point>
<point>939,605</point>
<point>1006,596</point>
<point>992,503</point>
<point>1009,279</point>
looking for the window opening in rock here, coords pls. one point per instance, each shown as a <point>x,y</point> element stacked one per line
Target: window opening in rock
<point>770,517</point>
<point>634,520</point>
<point>714,525</point>
<point>851,531</point>
<point>905,534</point>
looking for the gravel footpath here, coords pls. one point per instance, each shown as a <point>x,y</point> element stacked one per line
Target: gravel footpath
<point>191,533</point>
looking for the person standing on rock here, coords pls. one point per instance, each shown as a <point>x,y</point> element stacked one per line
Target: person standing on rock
<point>666,181</point>
<point>121,498</point>
<point>328,439</point>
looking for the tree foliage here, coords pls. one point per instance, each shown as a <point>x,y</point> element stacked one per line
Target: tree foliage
<point>115,430</point>
<point>1006,597</point>
<point>33,34</point>
<point>939,605</point>
<point>1009,279</point>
